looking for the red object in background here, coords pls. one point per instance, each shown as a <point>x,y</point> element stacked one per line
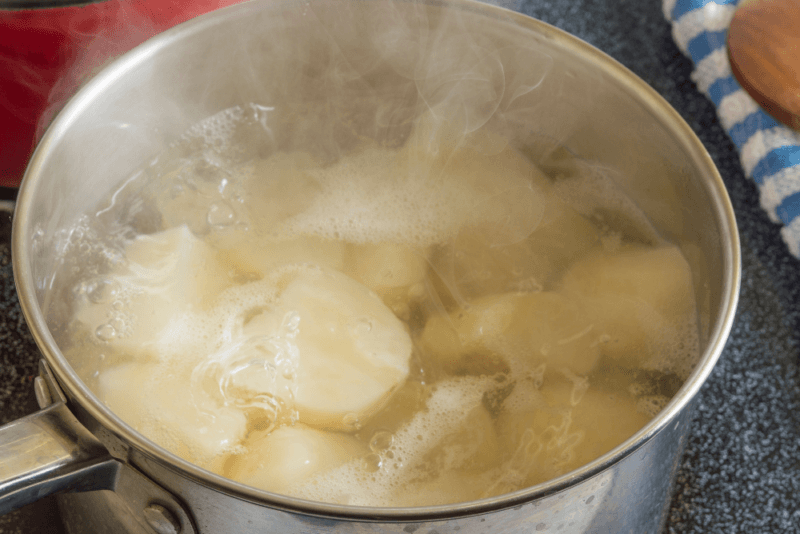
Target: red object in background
<point>45,55</point>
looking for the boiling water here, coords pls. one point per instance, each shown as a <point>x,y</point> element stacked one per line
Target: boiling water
<point>403,325</point>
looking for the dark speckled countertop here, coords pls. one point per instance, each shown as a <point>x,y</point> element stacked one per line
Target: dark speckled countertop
<point>741,468</point>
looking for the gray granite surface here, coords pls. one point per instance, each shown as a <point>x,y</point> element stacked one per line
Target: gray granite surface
<point>741,469</point>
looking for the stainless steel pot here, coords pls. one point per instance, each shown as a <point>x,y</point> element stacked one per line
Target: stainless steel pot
<point>122,482</point>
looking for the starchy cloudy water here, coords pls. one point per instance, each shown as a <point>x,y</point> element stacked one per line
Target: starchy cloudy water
<point>405,326</point>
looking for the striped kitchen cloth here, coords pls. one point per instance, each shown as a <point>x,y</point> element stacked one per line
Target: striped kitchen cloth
<point>769,151</point>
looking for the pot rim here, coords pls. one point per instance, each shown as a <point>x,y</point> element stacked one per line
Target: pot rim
<point>625,79</point>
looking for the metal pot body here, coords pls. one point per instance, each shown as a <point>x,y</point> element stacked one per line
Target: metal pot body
<point>629,497</point>
<point>586,101</point>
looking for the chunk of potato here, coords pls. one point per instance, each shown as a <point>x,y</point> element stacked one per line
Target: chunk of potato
<point>276,188</point>
<point>349,351</point>
<point>641,298</point>
<point>161,403</point>
<point>168,275</point>
<point>254,256</point>
<point>528,329</point>
<point>482,264</point>
<point>290,455</point>
<point>385,266</point>
<point>450,405</point>
<point>473,448</point>
<point>409,399</point>
<point>396,272</point>
<point>565,426</point>
<point>280,187</point>
<point>511,232</point>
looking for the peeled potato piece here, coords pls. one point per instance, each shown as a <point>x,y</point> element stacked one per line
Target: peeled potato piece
<point>351,351</point>
<point>450,405</point>
<point>516,235</point>
<point>176,263</point>
<point>451,337</point>
<point>256,256</point>
<point>396,272</point>
<point>276,188</point>
<point>168,275</point>
<point>161,403</point>
<point>474,448</point>
<point>409,399</point>
<point>483,265</point>
<point>641,298</point>
<point>528,329</point>
<point>383,267</point>
<point>290,455</point>
<point>566,424</point>
<point>490,250</point>
<point>280,187</point>
<point>439,146</point>
<point>562,236</point>
<point>206,196</point>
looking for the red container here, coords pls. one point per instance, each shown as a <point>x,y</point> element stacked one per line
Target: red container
<point>46,54</point>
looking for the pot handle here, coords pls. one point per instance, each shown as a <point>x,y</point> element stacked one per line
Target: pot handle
<point>51,452</point>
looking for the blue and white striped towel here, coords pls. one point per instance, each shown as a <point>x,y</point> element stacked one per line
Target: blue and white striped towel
<point>769,151</point>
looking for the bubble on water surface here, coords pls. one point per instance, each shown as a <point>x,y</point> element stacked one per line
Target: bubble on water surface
<point>105,332</point>
<point>373,463</point>
<point>381,441</point>
<point>220,214</point>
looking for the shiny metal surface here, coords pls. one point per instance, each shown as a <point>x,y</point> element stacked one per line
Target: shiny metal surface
<point>629,498</point>
<point>147,98</point>
<point>148,505</point>
<point>161,519</point>
<point>49,452</point>
<point>135,505</point>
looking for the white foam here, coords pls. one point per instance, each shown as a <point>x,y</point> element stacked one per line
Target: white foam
<point>365,199</point>
<point>676,349</point>
<point>651,405</point>
<point>403,196</point>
